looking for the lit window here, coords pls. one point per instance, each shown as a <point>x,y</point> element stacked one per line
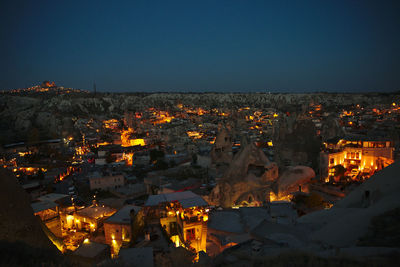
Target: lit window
<point>190,234</point>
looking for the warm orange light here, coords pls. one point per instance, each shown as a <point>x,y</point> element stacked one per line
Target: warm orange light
<point>194,134</point>
<point>103,144</point>
<point>128,157</point>
<point>127,141</point>
<point>110,124</point>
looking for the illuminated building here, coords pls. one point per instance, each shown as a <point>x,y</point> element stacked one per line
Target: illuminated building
<point>127,141</point>
<point>91,218</point>
<point>160,117</point>
<point>194,134</point>
<point>118,229</point>
<point>48,213</point>
<point>111,124</point>
<point>365,156</point>
<point>183,216</point>
<point>128,157</point>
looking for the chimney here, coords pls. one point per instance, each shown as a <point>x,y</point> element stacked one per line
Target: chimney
<point>147,236</point>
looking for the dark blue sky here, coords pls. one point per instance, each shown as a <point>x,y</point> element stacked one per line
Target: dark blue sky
<point>290,46</point>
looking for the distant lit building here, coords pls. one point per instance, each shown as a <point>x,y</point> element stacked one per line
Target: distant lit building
<point>366,155</point>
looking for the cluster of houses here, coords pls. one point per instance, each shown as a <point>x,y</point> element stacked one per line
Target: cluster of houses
<point>143,188</point>
<point>96,233</point>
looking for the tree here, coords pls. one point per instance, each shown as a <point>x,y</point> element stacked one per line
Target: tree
<point>339,172</point>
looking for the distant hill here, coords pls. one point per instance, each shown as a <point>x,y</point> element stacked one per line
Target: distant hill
<point>45,87</point>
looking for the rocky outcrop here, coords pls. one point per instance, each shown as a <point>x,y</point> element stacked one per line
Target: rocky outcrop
<point>221,152</point>
<point>17,222</point>
<point>295,142</point>
<point>247,180</point>
<point>331,128</point>
<point>350,219</point>
<point>293,178</point>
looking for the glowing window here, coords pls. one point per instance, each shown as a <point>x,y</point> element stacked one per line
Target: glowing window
<point>190,234</point>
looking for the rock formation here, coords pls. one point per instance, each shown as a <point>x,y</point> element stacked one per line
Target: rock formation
<point>23,241</point>
<point>251,178</point>
<point>17,222</point>
<point>247,181</point>
<point>349,220</point>
<point>296,142</point>
<point>221,152</point>
<point>293,178</point>
<point>331,128</point>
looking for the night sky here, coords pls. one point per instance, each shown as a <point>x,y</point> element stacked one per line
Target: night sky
<point>277,46</point>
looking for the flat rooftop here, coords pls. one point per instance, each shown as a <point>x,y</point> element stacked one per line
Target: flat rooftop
<point>226,221</point>
<point>137,256</point>
<point>90,249</point>
<point>96,212</point>
<point>123,215</point>
<point>42,205</point>
<point>186,198</point>
<point>52,197</point>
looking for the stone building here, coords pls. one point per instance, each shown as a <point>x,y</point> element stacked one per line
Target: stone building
<point>118,228</point>
<point>364,154</point>
<point>183,216</point>
<point>106,182</point>
<point>90,218</point>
